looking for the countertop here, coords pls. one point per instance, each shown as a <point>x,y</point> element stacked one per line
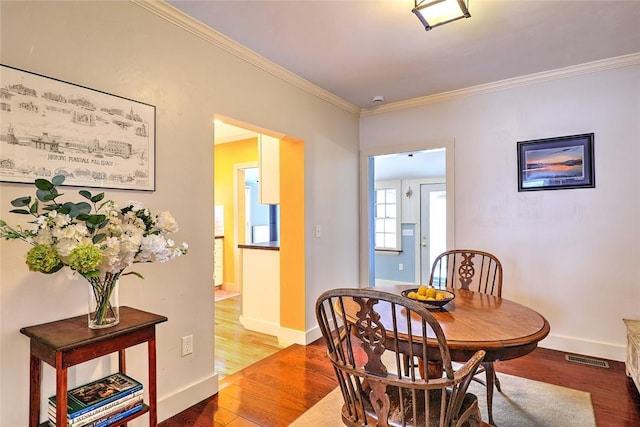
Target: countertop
<point>269,246</point>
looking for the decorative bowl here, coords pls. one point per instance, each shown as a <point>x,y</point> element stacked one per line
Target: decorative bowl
<point>449,296</point>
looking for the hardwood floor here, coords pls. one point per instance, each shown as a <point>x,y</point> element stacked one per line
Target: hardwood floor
<point>276,390</point>
<point>237,348</point>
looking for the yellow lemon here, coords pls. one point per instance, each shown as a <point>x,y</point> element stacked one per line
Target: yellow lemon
<point>431,292</point>
<point>440,296</point>
<point>422,290</point>
<point>413,295</point>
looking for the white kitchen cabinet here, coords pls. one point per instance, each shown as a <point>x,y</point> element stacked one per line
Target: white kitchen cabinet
<point>269,167</point>
<point>261,290</point>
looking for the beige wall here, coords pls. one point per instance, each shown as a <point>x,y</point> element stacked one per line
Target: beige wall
<point>569,254</point>
<point>121,48</point>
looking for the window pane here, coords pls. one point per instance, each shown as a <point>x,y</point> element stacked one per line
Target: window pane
<point>390,240</point>
<point>390,226</point>
<point>385,223</point>
<point>391,211</point>
<point>391,196</point>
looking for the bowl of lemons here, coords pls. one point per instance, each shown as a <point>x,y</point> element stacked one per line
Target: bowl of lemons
<point>431,297</point>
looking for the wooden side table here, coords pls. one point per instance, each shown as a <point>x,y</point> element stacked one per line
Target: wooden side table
<point>69,342</point>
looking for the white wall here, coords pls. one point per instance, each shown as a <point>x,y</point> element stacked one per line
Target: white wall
<point>121,48</point>
<point>569,254</point>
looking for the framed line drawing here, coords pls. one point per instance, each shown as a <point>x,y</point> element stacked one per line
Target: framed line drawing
<point>556,163</point>
<point>51,127</point>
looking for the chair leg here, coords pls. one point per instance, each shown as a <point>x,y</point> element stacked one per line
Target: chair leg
<point>491,376</point>
<point>470,418</point>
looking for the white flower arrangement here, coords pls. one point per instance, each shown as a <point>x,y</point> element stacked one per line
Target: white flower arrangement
<point>96,241</point>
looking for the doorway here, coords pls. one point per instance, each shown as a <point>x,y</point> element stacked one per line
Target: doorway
<point>433,226</point>
<point>423,177</point>
<point>240,151</point>
<point>235,182</point>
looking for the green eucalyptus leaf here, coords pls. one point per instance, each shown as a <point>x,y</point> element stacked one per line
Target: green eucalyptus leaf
<point>85,194</point>
<point>76,209</point>
<point>42,195</point>
<point>20,211</point>
<point>49,198</point>
<point>83,217</point>
<point>104,223</point>
<point>99,237</point>
<point>97,197</point>
<point>96,219</point>
<point>58,179</point>
<point>63,209</point>
<point>47,195</point>
<point>21,201</point>
<point>44,184</point>
<point>34,207</point>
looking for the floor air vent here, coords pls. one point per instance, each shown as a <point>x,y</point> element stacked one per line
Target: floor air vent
<point>587,361</point>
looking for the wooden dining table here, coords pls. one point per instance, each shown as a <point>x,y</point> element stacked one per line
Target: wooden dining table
<point>473,321</point>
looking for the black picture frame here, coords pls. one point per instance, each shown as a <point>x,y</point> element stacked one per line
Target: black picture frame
<point>95,139</point>
<point>556,163</point>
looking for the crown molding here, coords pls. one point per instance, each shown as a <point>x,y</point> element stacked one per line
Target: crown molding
<point>197,28</point>
<point>560,73</point>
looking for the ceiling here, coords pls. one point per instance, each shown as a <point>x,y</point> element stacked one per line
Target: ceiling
<point>358,49</point>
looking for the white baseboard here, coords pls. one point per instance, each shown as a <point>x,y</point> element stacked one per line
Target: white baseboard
<point>285,336</point>
<point>177,402</point>
<point>586,348</point>
<point>291,336</point>
<point>261,326</point>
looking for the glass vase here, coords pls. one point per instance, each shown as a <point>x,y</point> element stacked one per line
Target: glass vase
<point>103,302</point>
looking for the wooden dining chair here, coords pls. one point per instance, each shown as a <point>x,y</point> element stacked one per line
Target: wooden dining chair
<point>377,389</point>
<point>467,269</point>
<point>477,271</point>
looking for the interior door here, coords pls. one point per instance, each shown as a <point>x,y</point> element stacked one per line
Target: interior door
<point>433,226</point>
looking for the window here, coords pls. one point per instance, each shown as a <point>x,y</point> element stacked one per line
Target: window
<point>386,219</point>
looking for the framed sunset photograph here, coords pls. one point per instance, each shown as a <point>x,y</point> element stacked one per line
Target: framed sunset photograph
<point>556,163</point>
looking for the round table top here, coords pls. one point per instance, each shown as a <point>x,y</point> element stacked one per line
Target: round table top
<point>474,321</point>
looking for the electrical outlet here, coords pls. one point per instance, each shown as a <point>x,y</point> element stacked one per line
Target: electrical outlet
<point>400,267</point>
<point>187,345</point>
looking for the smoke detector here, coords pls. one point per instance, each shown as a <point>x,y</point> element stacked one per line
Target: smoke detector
<point>379,99</point>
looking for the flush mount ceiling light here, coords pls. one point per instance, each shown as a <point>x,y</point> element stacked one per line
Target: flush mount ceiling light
<point>433,13</point>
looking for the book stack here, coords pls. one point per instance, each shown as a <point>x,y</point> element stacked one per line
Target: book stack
<point>100,403</point>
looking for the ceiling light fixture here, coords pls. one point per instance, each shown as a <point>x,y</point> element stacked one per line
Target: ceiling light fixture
<point>439,12</point>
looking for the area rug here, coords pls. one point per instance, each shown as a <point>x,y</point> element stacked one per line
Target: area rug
<point>222,294</point>
<point>522,403</point>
